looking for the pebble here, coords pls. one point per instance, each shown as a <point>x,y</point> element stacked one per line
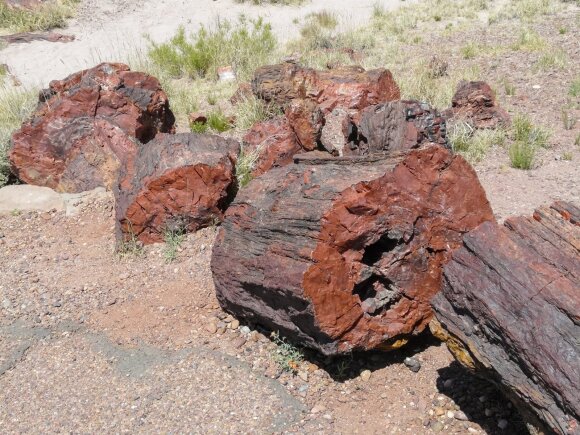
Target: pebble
<point>235,324</point>
<point>239,342</point>
<point>245,330</point>
<point>472,430</point>
<point>318,409</point>
<point>450,414</point>
<point>448,383</point>
<point>460,415</point>
<point>365,375</point>
<point>488,412</point>
<point>303,375</point>
<point>439,411</point>
<point>211,327</point>
<point>502,424</point>
<point>413,364</point>
<point>437,426</point>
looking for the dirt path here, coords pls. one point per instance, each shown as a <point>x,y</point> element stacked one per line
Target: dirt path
<point>112,30</point>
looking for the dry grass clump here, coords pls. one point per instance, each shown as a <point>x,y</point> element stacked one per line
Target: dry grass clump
<point>474,144</point>
<point>244,45</point>
<point>528,138</point>
<point>52,14</point>
<point>15,106</point>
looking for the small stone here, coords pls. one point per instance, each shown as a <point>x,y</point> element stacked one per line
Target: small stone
<point>483,399</point>
<point>426,422</point>
<point>488,412</point>
<point>245,330</point>
<point>460,415</point>
<point>413,364</point>
<point>211,327</point>
<point>502,424</point>
<point>365,375</point>
<point>448,383</point>
<point>437,426</point>
<point>303,375</point>
<point>255,336</point>
<point>318,409</point>
<point>235,324</point>
<point>57,304</point>
<point>439,411</point>
<point>239,342</point>
<point>472,430</point>
<point>450,414</point>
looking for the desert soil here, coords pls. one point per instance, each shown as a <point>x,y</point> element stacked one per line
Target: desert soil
<point>94,343</point>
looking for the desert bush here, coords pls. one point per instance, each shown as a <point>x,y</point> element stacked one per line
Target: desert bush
<point>48,16</point>
<point>524,130</point>
<point>574,89</point>
<point>244,45</point>
<point>474,144</point>
<point>286,355</point>
<point>15,106</point>
<point>529,40</point>
<point>522,155</point>
<point>551,59</point>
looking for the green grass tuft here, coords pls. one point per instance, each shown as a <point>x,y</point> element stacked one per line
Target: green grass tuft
<point>173,239</point>
<point>525,131</point>
<point>522,155</point>
<point>52,14</point>
<point>474,144</point>
<point>574,89</point>
<point>286,355</point>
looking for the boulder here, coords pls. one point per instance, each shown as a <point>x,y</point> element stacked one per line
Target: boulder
<point>270,144</point>
<point>178,182</point>
<point>309,95</point>
<point>88,125</point>
<point>475,102</point>
<point>510,310</point>
<point>345,253</point>
<point>23,197</point>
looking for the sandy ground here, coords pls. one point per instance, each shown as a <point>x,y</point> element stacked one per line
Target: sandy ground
<point>112,30</point>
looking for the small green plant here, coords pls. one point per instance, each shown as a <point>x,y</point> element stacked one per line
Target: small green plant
<point>553,59</point>
<point>529,40</point>
<point>508,87</point>
<point>522,155</point>
<point>198,127</point>
<point>568,120</point>
<point>173,239</point>
<point>474,144</point>
<point>562,30</point>
<point>211,99</point>
<point>245,166</point>
<point>131,246</point>
<point>567,156</point>
<point>525,131</point>
<point>286,355</point>
<point>252,110</point>
<point>469,51</point>
<point>47,16</point>
<point>574,89</point>
<point>243,45</point>
<point>218,122</point>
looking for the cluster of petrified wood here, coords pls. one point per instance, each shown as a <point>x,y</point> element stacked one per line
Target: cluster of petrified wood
<point>359,229</point>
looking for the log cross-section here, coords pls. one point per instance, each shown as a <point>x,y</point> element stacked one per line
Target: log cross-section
<point>346,253</point>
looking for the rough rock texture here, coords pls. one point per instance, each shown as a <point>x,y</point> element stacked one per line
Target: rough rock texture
<point>26,37</point>
<point>399,126</point>
<point>272,143</point>
<point>179,182</point>
<point>346,253</point>
<point>336,132</point>
<point>309,95</point>
<point>510,308</point>
<point>476,103</point>
<point>87,125</point>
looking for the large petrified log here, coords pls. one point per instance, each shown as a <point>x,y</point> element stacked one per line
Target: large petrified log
<point>309,95</point>
<point>71,143</point>
<point>178,182</point>
<point>510,308</point>
<point>346,253</point>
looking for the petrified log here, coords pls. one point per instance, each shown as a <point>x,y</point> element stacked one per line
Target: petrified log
<point>346,253</point>
<point>309,95</point>
<point>270,144</point>
<point>510,308</point>
<point>70,143</point>
<point>475,102</point>
<point>178,182</point>
<point>27,37</point>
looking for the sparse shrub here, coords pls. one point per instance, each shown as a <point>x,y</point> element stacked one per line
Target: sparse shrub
<point>474,144</point>
<point>525,131</point>
<point>51,14</point>
<point>218,122</point>
<point>567,156</point>
<point>173,239</point>
<point>245,45</point>
<point>522,155</point>
<point>568,120</point>
<point>529,40</point>
<point>286,355</point>
<point>469,51</point>
<point>130,247</point>
<point>15,106</point>
<point>251,110</point>
<point>325,19</point>
<point>199,127</point>
<point>562,30</point>
<point>574,89</point>
<point>552,59</point>
<point>508,87</point>
<point>245,166</point>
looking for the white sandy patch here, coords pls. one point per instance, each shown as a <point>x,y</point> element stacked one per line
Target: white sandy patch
<point>110,30</point>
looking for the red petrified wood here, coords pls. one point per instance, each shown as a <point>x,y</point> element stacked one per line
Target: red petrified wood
<point>178,182</point>
<point>309,95</point>
<point>510,309</point>
<point>346,253</point>
<point>88,125</point>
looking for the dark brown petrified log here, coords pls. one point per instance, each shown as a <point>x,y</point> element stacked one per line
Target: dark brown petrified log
<point>71,142</point>
<point>346,253</point>
<point>178,182</point>
<point>510,309</point>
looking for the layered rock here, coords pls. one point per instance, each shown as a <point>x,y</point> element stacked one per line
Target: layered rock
<point>510,309</point>
<point>475,102</point>
<point>178,182</point>
<point>87,126</point>
<point>345,253</point>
